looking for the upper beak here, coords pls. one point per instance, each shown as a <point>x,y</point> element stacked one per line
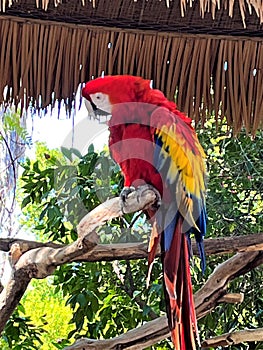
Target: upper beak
<point>93,111</point>
<point>91,108</point>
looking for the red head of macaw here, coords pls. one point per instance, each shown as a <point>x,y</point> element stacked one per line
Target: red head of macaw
<point>155,144</point>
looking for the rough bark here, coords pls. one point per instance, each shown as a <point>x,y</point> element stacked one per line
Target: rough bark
<point>232,338</point>
<point>208,297</point>
<point>41,262</point>
<point>127,251</point>
<point>38,260</point>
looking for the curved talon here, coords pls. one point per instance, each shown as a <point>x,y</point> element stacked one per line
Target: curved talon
<point>158,201</point>
<point>125,193</point>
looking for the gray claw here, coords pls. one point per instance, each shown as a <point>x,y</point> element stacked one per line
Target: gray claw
<point>158,201</point>
<point>125,193</point>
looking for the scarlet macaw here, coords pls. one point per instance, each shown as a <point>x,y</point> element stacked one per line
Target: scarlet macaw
<point>155,144</point>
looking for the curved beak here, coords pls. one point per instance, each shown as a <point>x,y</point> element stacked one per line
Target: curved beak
<point>94,112</point>
<point>91,107</point>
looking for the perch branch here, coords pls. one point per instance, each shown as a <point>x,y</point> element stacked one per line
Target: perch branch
<point>31,261</point>
<point>215,287</point>
<point>232,338</point>
<point>140,199</point>
<point>122,251</point>
<point>41,262</point>
<point>208,297</point>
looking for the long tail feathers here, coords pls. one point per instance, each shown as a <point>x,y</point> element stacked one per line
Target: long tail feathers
<point>178,292</point>
<point>178,287</point>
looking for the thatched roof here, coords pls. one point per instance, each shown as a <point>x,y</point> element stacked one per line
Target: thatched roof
<point>235,17</point>
<point>48,49</point>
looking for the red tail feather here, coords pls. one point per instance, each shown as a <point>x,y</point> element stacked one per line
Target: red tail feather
<point>178,292</point>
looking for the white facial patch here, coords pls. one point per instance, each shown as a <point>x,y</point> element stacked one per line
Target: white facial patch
<point>101,101</point>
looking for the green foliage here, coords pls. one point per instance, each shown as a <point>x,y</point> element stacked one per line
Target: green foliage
<point>12,123</point>
<point>45,159</point>
<point>105,296</point>
<point>51,311</point>
<point>235,186</point>
<point>235,207</point>
<point>44,327</point>
<point>65,187</point>
<point>20,333</point>
<point>108,298</point>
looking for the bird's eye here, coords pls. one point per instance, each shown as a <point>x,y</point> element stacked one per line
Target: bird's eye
<point>101,101</point>
<point>98,96</point>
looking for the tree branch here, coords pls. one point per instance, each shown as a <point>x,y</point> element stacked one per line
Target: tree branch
<point>128,251</point>
<point>13,292</point>
<point>215,287</point>
<point>32,259</point>
<point>232,338</point>
<point>222,245</point>
<point>207,298</point>
<point>41,262</point>
<point>135,339</point>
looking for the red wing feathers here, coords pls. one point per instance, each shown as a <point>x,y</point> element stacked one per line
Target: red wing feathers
<point>154,143</point>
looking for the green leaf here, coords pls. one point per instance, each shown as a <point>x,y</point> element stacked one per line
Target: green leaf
<point>81,299</point>
<point>26,201</point>
<point>76,152</point>
<point>36,167</point>
<point>67,153</point>
<point>91,148</point>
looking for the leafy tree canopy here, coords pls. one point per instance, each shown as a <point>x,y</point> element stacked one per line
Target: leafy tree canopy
<point>108,298</point>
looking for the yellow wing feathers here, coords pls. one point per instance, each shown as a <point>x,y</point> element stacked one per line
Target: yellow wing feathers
<point>185,155</point>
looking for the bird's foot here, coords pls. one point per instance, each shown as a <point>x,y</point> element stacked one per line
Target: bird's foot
<point>126,191</point>
<point>158,200</point>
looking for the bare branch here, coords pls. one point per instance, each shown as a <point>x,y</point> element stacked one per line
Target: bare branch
<point>208,297</point>
<point>136,339</point>
<point>222,245</point>
<point>121,251</point>
<point>29,261</point>
<point>232,338</point>
<point>234,244</point>
<point>232,298</point>
<point>41,262</point>
<point>215,287</point>
<point>13,292</point>
<point>25,245</point>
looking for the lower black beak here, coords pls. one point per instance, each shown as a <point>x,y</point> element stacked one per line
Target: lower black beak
<point>98,111</point>
<point>93,110</point>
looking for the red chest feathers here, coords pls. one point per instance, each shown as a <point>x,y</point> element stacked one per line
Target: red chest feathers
<point>132,147</point>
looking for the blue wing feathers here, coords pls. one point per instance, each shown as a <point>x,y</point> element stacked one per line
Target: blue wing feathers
<point>168,216</point>
<point>201,249</point>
